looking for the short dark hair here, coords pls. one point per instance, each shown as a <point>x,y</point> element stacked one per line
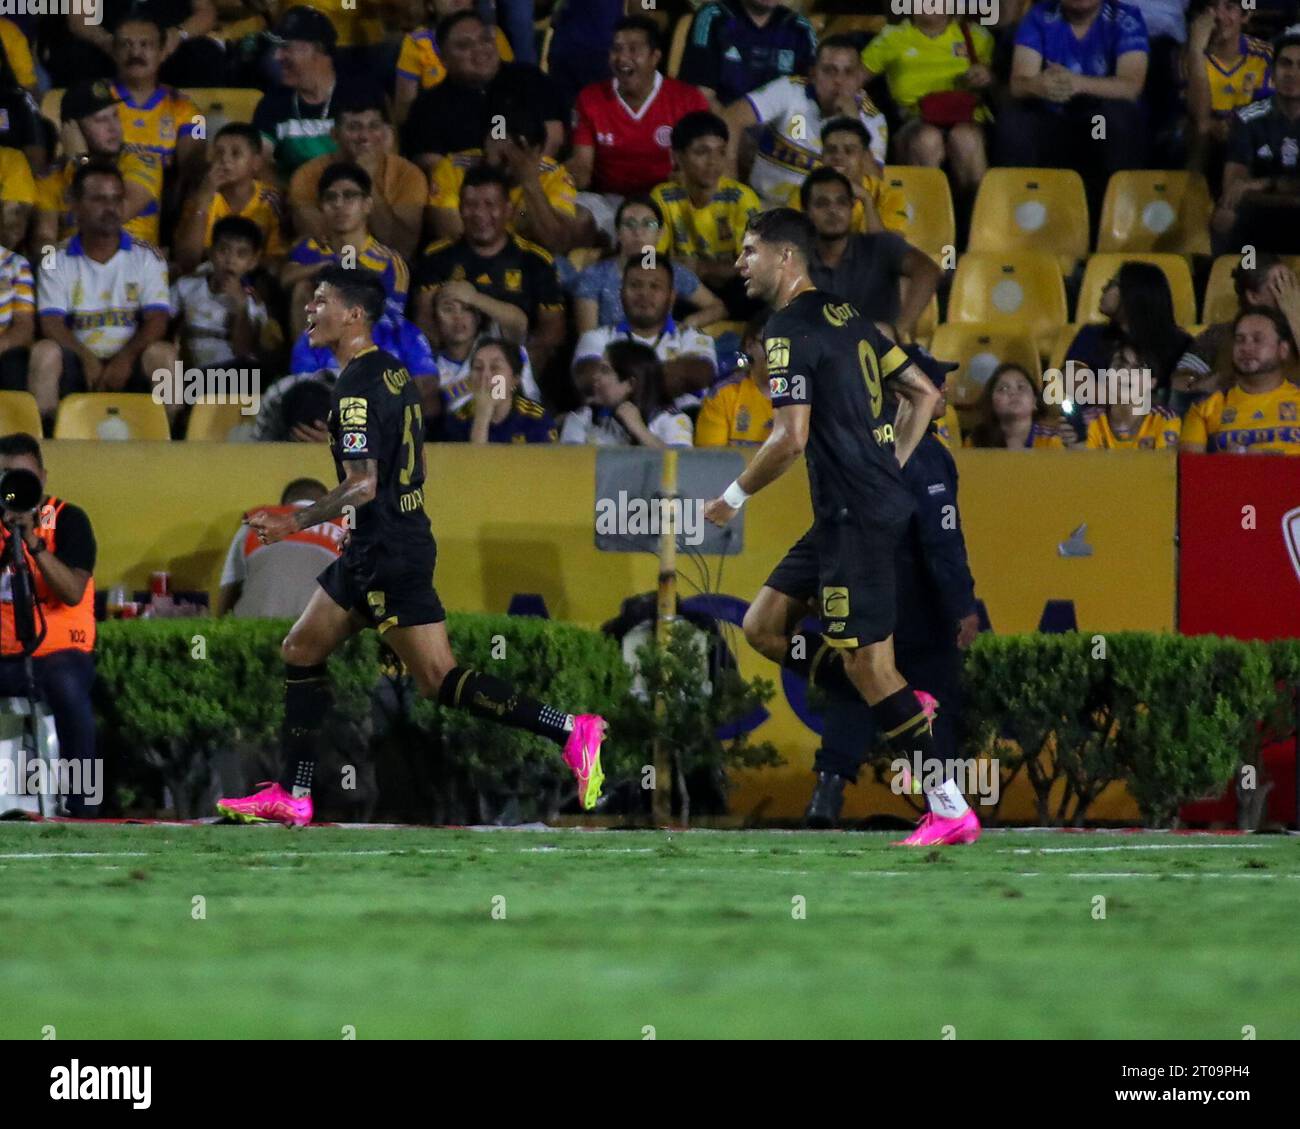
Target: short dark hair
<point>448,23</point>
<point>823,175</point>
<point>1269,314</point>
<point>135,16</point>
<point>484,174</point>
<point>522,119</point>
<point>657,262</point>
<point>697,124</point>
<point>1290,37</point>
<point>1253,278</point>
<point>246,130</point>
<point>19,443</point>
<point>843,42</point>
<point>642,24</point>
<point>360,101</point>
<point>847,125</point>
<point>785,225</point>
<point>344,170</point>
<point>300,489</point>
<point>357,287</point>
<point>237,228</point>
<point>93,168</point>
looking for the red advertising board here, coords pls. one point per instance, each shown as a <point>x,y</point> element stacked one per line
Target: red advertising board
<point>1239,546</point>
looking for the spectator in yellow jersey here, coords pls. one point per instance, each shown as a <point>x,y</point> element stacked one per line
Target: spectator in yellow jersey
<point>230,188</point>
<point>1257,415</point>
<point>419,66</point>
<point>542,192</point>
<point>17,196</point>
<point>1225,69</point>
<point>738,412</point>
<point>156,119</point>
<point>846,148</point>
<point>93,134</point>
<point>18,52</point>
<point>937,67</point>
<point>1125,426</point>
<point>706,213</point>
<point>1012,414</point>
<point>399,188</point>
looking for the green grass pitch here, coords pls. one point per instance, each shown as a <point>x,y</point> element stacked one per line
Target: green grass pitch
<point>392,933</point>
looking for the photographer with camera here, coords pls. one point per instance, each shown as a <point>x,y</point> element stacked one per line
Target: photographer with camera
<point>47,601</point>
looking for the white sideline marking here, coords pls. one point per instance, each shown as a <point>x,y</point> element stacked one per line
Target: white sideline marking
<point>1136,847</point>
<point>24,855</point>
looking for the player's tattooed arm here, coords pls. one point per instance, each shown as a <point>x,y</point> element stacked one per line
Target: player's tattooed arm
<point>360,482</point>
<point>918,399</point>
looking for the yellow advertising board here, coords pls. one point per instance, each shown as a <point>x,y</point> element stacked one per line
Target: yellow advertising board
<point>513,520</point>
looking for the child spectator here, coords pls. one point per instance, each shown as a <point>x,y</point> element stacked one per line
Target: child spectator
<point>629,406</point>
<point>1012,414</point>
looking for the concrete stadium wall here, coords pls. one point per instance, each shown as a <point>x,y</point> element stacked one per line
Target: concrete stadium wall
<point>520,520</point>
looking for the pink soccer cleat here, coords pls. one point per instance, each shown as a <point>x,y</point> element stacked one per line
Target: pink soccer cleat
<point>271,805</point>
<point>935,831</point>
<point>582,754</point>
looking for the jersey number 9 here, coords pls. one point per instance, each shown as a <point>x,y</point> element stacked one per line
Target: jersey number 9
<point>871,374</point>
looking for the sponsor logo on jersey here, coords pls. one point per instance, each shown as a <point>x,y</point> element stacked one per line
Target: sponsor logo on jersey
<point>835,603</point>
<point>394,378</point>
<point>354,442</point>
<point>838,315</point>
<point>1286,410</point>
<point>664,136</point>
<point>778,354</point>
<point>352,413</point>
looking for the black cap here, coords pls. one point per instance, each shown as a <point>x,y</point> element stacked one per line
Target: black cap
<point>86,98</point>
<point>929,364</point>
<point>306,24</point>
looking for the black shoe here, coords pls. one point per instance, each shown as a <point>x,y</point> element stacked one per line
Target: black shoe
<point>827,799</point>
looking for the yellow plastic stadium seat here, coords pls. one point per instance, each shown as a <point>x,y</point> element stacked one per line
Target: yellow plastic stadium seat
<point>226,103</point>
<point>929,318</point>
<point>718,328</point>
<point>1102,268</point>
<point>1032,210</point>
<point>213,423</point>
<point>51,101</point>
<point>1018,292</point>
<point>678,46</point>
<point>583,257</point>
<point>1156,210</point>
<point>1061,345</point>
<point>931,224</point>
<point>853,25</point>
<point>111,415</point>
<point>980,349</point>
<point>18,412</point>
<point>1220,291</point>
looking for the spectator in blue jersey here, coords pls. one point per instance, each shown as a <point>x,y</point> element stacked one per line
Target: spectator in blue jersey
<point>735,46</point>
<point>1077,61</point>
<point>295,407</point>
<point>498,411</point>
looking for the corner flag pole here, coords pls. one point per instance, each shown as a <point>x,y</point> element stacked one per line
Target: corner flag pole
<point>661,802</point>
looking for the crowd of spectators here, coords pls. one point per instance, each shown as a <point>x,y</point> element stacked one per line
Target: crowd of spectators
<point>558,241</point>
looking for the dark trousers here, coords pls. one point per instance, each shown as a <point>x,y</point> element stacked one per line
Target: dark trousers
<point>849,730</point>
<point>1033,134</point>
<point>63,681</point>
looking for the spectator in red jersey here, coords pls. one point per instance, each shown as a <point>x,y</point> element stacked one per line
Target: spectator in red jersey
<point>269,581</point>
<point>623,127</point>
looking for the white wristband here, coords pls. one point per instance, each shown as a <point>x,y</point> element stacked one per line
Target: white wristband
<point>734,496</point>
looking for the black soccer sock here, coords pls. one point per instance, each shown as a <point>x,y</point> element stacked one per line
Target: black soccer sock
<point>822,665</point>
<point>489,697</point>
<point>847,729</point>
<point>902,722</point>
<point>307,699</point>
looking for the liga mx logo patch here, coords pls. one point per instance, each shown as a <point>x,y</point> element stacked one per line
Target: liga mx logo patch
<point>354,442</point>
<point>1291,535</point>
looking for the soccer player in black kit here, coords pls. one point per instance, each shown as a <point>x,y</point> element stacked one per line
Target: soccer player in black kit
<point>828,367</point>
<point>384,577</point>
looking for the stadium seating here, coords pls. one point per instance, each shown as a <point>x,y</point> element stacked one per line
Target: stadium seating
<point>18,412</point>
<point>1061,344</point>
<point>1016,292</point>
<point>1102,268</point>
<point>1220,293</point>
<point>980,349</point>
<point>677,48</point>
<point>718,328</point>
<point>853,25</point>
<point>931,223</point>
<point>929,319</point>
<point>213,423</point>
<point>111,415</point>
<point>1032,209</point>
<point>1156,210</point>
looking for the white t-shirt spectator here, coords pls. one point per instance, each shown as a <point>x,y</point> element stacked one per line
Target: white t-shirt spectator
<point>277,580</point>
<point>103,302</point>
<point>675,341</point>
<point>17,293</point>
<point>205,320</point>
<point>599,428</point>
<point>790,144</point>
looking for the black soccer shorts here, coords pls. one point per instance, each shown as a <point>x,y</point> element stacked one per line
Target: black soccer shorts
<point>849,567</point>
<point>389,587</point>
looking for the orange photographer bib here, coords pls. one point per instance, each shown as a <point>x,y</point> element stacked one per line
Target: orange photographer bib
<point>68,627</point>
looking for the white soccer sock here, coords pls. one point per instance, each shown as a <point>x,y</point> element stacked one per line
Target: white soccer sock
<point>946,801</point>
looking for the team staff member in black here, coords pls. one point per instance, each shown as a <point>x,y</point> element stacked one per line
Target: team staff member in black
<point>827,366</point>
<point>937,620</point>
<point>384,578</point>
